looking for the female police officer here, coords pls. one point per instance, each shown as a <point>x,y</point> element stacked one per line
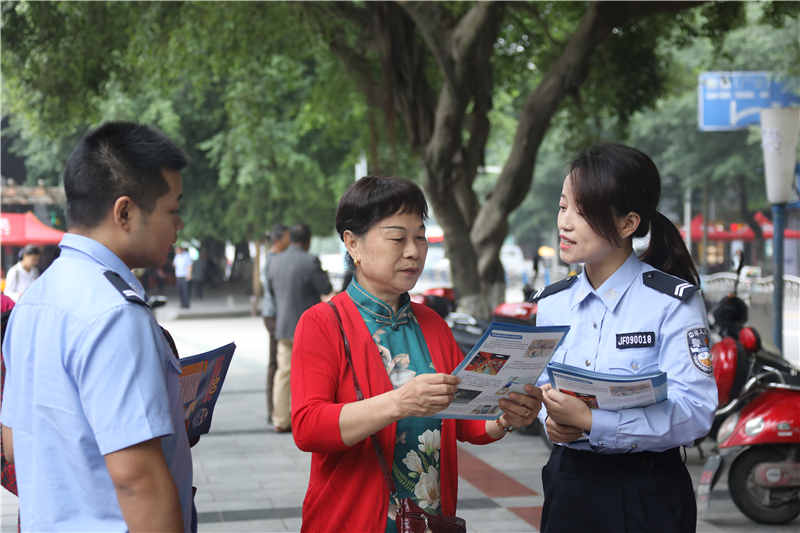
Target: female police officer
<point>622,470</point>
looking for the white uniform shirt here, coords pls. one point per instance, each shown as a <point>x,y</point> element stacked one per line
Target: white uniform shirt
<point>599,321</point>
<point>18,280</point>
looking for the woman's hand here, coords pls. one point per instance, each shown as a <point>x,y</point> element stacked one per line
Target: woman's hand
<point>426,394</point>
<point>566,410</point>
<point>519,410</point>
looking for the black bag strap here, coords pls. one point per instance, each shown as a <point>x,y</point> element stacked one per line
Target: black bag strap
<point>387,476</point>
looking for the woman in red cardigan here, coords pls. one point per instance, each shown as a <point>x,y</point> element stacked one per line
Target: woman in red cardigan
<point>403,354</point>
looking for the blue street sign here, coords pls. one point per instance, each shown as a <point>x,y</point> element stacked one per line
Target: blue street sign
<point>732,100</point>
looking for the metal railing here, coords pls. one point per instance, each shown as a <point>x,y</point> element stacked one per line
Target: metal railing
<point>723,282</point>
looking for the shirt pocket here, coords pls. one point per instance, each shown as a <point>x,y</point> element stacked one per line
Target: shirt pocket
<point>635,361</point>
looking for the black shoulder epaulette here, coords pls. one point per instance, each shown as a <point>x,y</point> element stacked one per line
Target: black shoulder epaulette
<point>554,288</point>
<point>123,288</point>
<point>675,287</point>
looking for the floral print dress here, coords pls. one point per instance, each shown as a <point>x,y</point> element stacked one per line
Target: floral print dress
<point>417,452</point>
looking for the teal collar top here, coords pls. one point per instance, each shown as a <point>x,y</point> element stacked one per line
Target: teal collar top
<point>402,347</point>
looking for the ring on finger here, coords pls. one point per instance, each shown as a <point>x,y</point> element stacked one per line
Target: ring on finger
<point>526,415</point>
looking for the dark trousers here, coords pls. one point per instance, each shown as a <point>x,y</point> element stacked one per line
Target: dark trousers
<point>183,291</point>
<point>272,366</point>
<point>197,288</point>
<point>617,493</point>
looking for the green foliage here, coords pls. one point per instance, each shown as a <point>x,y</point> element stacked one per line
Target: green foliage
<point>270,123</point>
<point>666,127</point>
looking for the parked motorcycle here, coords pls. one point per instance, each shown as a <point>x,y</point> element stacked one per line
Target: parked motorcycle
<point>760,436</point>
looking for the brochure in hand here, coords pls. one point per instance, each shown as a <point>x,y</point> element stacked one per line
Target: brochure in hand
<point>202,377</point>
<point>609,392</point>
<point>507,358</point>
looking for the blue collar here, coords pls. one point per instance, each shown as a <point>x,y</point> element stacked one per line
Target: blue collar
<point>80,247</point>
<point>610,292</point>
<point>376,309</point>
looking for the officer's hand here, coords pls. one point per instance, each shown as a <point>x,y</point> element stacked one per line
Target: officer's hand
<point>521,409</point>
<point>558,433</point>
<point>426,394</point>
<point>566,410</point>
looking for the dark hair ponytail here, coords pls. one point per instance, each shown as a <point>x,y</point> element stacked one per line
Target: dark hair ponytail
<point>667,251</point>
<point>612,179</point>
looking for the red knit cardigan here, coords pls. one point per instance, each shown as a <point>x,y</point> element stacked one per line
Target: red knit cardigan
<point>346,491</point>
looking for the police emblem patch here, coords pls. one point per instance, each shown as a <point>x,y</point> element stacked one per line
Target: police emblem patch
<point>700,350</point>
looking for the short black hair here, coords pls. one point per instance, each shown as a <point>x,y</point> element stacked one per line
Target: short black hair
<point>300,233</point>
<point>277,233</point>
<point>118,159</point>
<point>373,198</point>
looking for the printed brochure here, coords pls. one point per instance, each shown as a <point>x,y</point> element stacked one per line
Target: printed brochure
<point>507,358</point>
<point>609,392</point>
<point>202,377</point>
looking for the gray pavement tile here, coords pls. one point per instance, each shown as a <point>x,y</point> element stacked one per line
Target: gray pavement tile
<point>299,485</point>
<point>494,514</point>
<point>292,524</point>
<point>476,503</point>
<point>265,526</point>
<point>202,496</point>
<point>231,486</point>
<point>227,496</point>
<point>520,501</point>
<point>467,490</point>
<point>230,480</point>
<point>500,526</point>
<point>239,470</point>
<point>237,505</point>
<point>262,514</point>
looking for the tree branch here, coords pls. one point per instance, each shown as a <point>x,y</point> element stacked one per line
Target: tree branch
<point>428,17</point>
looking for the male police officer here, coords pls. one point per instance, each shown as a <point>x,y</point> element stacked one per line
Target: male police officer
<point>92,412</point>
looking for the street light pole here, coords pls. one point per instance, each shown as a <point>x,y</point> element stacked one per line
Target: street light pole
<point>780,128</point>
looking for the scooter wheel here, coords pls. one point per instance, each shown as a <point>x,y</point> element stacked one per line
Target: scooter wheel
<point>760,504</point>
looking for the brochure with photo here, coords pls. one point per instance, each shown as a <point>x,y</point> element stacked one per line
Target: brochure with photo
<point>609,392</point>
<point>202,377</point>
<point>504,360</point>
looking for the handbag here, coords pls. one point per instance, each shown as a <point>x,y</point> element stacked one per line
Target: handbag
<point>411,518</point>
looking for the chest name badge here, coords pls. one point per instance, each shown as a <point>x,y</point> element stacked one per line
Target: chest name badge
<point>642,339</point>
<point>700,350</point>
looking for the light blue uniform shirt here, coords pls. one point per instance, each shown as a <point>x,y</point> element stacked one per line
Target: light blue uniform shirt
<point>88,373</point>
<point>624,304</point>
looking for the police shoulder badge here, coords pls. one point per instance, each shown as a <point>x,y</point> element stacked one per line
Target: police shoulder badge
<point>700,350</point>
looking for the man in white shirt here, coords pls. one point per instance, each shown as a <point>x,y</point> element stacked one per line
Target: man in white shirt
<point>23,274</point>
<point>183,274</point>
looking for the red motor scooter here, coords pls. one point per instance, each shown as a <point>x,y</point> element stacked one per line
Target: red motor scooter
<point>760,441</point>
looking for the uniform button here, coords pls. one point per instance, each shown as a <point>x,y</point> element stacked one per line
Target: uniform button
<point>600,443</point>
<point>649,275</point>
<point>634,446</point>
<point>594,325</point>
<point>588,363</point>
<point>635,366</point>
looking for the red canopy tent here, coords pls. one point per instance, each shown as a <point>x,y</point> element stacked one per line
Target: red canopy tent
<point>18,230</point>
<point>717,232</point>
